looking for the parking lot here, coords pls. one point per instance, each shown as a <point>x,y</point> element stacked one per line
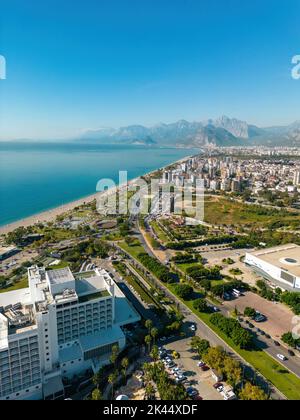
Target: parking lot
<point>279,316</point>
<point>201,381</point>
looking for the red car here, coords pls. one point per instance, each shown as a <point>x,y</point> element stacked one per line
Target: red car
<point>204,368</point>
<point>197,397</point>
<point>216,385</point>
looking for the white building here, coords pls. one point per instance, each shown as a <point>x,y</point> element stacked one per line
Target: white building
<point>280,265</point>
<point>59,326</point>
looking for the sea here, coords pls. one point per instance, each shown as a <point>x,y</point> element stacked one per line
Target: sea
<point>39,176</point>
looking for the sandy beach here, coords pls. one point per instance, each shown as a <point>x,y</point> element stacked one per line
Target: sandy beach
<point>50,215</point>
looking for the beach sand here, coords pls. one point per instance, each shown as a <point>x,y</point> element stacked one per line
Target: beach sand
<point>50,215</point>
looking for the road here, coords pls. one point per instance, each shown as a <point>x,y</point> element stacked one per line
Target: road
<point>205,332</point>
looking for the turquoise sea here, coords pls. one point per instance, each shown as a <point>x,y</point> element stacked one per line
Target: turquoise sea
<point>39,176</point>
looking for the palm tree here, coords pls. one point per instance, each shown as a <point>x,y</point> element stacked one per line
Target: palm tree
<point>154,353</point>
<point>125,364</point>
<point>154,333</point>
<point>112,379</point>
<point>148,324</point>
<point>96,395</point>
<point>96,379</point>
<point>114,354</point>
<point>148,340</point>
<point>149,391</point>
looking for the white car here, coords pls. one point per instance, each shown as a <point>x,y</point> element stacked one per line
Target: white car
<point>281,357</point>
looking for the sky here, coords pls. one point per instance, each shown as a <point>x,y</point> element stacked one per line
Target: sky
<point>76,65</point>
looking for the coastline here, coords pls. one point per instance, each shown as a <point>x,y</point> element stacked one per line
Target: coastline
<point>50,214</point>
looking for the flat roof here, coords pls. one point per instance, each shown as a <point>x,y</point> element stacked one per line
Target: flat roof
<point>60,276</point>
<point>286,257</point>
<point>108,336</point>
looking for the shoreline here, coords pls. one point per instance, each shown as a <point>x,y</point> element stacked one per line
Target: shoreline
<point>50,214</point>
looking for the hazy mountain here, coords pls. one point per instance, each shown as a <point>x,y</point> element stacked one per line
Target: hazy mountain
<point>223,131</point>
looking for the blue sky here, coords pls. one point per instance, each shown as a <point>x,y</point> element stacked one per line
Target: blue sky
<point>77,65</point>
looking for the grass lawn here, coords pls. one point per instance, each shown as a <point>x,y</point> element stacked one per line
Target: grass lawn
<point>233,213</point>
<point>19,285</point>
<point>160,233</point>
<point>282,379</point>
<point>133,250</point>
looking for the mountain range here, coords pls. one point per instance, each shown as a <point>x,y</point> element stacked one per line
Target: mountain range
<point>223,131</point>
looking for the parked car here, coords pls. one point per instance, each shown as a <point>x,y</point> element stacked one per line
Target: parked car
<point>192,392</point>
<point>197,397</point>
<point>276,343</point>
<point>200,364</point>
<point>204,368</point>
<point>281,357</point>
<point>217,385</point>
<point>291,353</point>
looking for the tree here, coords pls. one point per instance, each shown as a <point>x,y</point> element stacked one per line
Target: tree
<point>201,305</point>
<point>215,358</point>
<point>96,379</point>
<point>232,370</point>
<point>96,395</point>
<point>112,379</point>
<point>289,339</point>
<point>148,325</point>
<point>125,364</point>
<point>252,392</point>
<point>148,340</point>
<point>249,312</point>
<point>154,333</point>
<point>114,354</point>
<point>184,291</point>
<point>150,391</point>
<point>154,353</point>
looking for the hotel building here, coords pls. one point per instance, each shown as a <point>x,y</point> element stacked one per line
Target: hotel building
<point>61,325</point>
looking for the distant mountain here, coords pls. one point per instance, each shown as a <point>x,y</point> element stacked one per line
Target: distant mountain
<point>223,131</point>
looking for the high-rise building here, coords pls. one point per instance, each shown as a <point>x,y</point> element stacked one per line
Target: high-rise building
<point>59,326</point>
<point>297,177</point>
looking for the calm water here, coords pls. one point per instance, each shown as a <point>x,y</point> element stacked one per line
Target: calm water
<point>39,176</point>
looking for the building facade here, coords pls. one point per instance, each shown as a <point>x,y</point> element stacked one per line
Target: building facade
<point>61,325</point>
<point>279,265</point>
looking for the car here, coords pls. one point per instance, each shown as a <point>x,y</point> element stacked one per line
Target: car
<point>281,357</point>
<point>220,388</point>
<point>268,336</point>
<point>193,327</point>
<point>217,385</point>
<point>216,309</point>
<point>251,325</point>
<point>200,364</point>
<point>180,378</point>
<point>197,397</point>
<point>192,392</point>
<point>176,370</point>
<point>204,368</point>
<point>276,343</point>
<point>291,353</point>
